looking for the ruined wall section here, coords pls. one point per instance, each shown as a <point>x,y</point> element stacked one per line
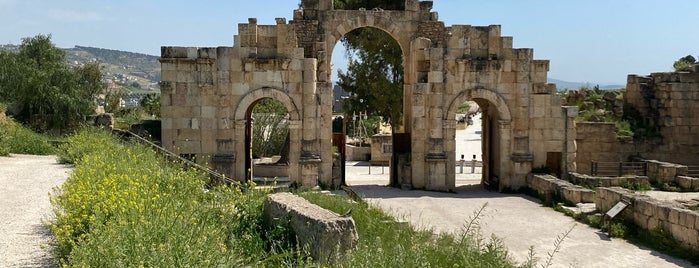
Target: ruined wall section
<point>479,58</point>
<point>207,93</point>
<point>667,104</point>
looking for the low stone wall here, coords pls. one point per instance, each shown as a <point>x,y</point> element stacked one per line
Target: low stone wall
<point>649,213</point>
<point>663,172</point>
<point>326,235</point>
<point>550,187</point>
<point>592,182</point>
<point>688,183</point>
<point>356,153</point>
<point>270,171</point>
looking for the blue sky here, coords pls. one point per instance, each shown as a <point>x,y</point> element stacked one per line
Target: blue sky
<point>599,41</point>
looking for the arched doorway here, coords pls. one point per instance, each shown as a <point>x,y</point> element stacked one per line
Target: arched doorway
<point>244,130</point>
<point>495,133</point>
<point>267,141</point>
<point>373,105</point>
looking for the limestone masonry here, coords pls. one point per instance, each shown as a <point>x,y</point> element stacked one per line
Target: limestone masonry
<point>208,94</point>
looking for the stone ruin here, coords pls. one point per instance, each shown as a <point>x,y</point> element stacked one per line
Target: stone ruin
<point>208,95</point>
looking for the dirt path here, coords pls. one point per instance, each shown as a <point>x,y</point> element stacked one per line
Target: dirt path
<point>25,182</point>
<point>520,221</point>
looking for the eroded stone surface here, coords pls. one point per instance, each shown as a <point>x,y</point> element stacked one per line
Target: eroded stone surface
<point>326,234</point>
<point>207,94</point>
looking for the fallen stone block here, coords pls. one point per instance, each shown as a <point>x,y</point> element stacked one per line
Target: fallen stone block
<point>326,235</point>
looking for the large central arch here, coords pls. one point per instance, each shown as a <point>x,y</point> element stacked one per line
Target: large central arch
<point>203,89</point>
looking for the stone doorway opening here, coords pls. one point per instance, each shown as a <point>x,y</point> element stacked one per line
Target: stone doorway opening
<point>488,136</point>
<point>267,141</point>
<point>369,94</point>
<point>469,144</point>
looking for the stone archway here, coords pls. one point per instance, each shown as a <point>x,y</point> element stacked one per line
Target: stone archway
<point>496,133</point>
<point>204,89</point>
<point>242,125</point>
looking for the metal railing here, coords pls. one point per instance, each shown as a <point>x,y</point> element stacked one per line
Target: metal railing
<point>618,169</point>
<point>172,156</point>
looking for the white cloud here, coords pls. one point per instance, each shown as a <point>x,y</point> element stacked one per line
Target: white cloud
<point>73,15</point>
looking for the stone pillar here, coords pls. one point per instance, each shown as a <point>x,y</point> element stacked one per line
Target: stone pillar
<point>569,145</point>
<point>239,170</point>
<point>295,133</point>
<point>514,167</point>
<point>450,150</point>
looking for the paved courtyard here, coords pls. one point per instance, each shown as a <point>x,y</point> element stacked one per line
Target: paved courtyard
<point>520,221</point>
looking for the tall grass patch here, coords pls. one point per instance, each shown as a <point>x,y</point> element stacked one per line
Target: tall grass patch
<point>385,242</point>
<point>123,206</point>
<point>15,138</point>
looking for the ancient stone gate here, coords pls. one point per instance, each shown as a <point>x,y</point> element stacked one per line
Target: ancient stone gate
<point>208,93</point>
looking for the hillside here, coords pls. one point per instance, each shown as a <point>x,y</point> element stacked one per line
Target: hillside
<point>137,72</point>
<point>565,85</point>
<point>141,72</point>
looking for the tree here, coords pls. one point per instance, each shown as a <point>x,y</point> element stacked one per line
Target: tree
<point>42,91</point>
<point>685,64</point>
<point>374,75</point>
<point>151,104</point>
<point>269,128</point>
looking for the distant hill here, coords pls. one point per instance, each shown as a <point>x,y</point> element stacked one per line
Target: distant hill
<point>134,71</point>
<point>565,85</point>
<point>121,67</point>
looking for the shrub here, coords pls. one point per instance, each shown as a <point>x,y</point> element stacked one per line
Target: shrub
<point>86,141</point>
<point>637,186</point>
<point>18,139</point>
<point>125,207</point>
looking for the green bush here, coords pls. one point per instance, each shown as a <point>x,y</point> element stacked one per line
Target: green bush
<point>638,186</point>
<point>17,139</point>
<point>86,141</point>
<point>124,206</point>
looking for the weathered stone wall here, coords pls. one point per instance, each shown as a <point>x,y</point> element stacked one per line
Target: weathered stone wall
<point>551,188</point>
<point>649,213</point>
<point>599,142</point>
<point>666,103</point>
<point>379,142</point>
<point>207,94</point>
<point>592,182</point>
<point>356,153</point>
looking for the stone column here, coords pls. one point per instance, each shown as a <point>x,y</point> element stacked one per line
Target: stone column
<point>450,149</point>
<point>569,145</point>
<point>295,132</point>
<point>239,170</point>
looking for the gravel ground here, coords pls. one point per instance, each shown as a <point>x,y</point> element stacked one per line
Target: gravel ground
<point>25,181</point>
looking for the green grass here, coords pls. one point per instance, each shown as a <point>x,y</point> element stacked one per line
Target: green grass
<point>124,206</point>
<point>384,242</point>
<point>15,138</point>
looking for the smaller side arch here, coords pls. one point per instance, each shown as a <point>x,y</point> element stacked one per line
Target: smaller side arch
<point>266,92</point>
<point>480,93</point>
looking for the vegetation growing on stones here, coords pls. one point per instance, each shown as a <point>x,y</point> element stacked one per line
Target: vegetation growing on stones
<point>685,64</point>
<point>596,105</point>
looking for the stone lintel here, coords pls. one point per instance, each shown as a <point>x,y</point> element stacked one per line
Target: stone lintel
<point>435,157</point>
<point>188,61</point>
<point>522,157</point>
